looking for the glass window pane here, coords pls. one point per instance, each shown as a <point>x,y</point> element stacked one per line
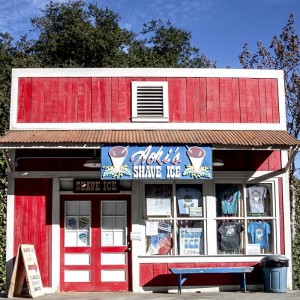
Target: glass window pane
<point>120,208</point>
<point>85,208</point>
<point>77,227</point>
<point>160,241</point>
<point>108,208</point>
<point>260,233</point>
<point>190,237</point>
<point>120,223</point>
<point>189,200</point>
<point>71,208</point>
<point>158,199</point>
<point>259,200</point>
<point>107,223</point>
<point>119,238</point>
<point>229,200</point>
<point>107,238</point>
<point>230,237</point>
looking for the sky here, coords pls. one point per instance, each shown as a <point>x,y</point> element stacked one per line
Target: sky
<point>219,28</point>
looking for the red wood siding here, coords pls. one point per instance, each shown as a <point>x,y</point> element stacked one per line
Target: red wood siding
<point>154,274</point>
<point>33,220</point>
<point>213,100</point>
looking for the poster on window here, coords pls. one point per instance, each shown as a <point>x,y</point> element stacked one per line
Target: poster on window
<point>160,244</point>
<point>158,207</point>
<point>190,241</point>
<point>158,199</point>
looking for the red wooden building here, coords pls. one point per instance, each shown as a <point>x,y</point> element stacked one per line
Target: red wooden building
<point>118,175</point>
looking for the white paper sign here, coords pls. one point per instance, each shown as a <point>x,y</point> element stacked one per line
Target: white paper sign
<point>253,249</point>
<point>151,228</point>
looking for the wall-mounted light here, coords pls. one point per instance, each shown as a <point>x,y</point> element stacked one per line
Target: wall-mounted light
<point>218,163</point>
<point>92,163</point>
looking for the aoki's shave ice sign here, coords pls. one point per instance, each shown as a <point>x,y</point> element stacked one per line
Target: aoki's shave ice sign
<point>156,162</point>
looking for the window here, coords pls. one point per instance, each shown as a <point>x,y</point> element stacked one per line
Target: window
<point>77,223</point>
<point>174,227</point>
<point>150,101</point>
<point>113,223</point>
<point>237,219</point>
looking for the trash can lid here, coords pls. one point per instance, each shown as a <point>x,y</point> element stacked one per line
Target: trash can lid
<point>274,257</point>
<point>274,261</point>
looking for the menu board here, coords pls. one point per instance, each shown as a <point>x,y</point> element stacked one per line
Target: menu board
<point>26,265</point>
<point>158,199</point>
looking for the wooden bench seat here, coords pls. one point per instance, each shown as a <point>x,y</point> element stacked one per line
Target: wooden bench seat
<point>184,273</point>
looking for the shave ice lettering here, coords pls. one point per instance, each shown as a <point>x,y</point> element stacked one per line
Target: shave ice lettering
<point>155,162</point>
<point>148,164</point>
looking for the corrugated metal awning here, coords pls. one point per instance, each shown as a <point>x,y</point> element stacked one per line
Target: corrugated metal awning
<point>218,139</point>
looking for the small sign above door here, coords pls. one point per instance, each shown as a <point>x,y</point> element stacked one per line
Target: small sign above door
<point>95,186</point>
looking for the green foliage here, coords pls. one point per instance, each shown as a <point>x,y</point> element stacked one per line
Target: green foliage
<point>11,55</point>
<point>284,54</point>
<point>76,34</point>
<point>296,239</point>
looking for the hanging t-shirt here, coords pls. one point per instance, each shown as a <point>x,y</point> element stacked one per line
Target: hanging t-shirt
<point>229,198</point>
<point>256,196</point>
<point>230,236</point>
<point>187,198</point>
<point>259,232</point>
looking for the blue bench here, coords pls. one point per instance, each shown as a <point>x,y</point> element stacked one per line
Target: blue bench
<point>184,273</point>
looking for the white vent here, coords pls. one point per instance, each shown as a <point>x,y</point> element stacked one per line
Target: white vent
<point>150,101</point>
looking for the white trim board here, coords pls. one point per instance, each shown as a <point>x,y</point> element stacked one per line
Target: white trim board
<point>147,126</point>
<point>146,72</point>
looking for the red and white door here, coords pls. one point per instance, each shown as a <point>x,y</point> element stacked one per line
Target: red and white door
<point>95,244</point>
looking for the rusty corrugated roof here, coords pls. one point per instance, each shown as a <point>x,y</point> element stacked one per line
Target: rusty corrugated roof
<point>261,139</point>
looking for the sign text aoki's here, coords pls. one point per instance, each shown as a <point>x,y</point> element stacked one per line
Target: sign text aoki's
<point>156,162</point>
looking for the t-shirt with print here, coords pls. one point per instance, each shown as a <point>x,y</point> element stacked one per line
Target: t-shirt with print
<point>259,232</point>
<point>256,196</point>
<point>187,198</point>
<point>230,236</point>
<point>229,198</point>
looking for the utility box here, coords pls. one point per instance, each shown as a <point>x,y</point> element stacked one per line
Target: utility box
<point>274,269</point>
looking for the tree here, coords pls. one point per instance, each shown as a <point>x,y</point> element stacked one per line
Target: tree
<point>284,54</point>
<point>11,55</point>
<point>76,34</point>
<point>166,46</point>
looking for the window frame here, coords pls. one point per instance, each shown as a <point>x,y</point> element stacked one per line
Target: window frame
<point>210,217</point>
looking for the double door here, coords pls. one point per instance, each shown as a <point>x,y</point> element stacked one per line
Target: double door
<point>95,245</point>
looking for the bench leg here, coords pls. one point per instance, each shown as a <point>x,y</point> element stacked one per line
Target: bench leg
<point>181,280</point>
<point>179,283</point>
<point>243,282</point>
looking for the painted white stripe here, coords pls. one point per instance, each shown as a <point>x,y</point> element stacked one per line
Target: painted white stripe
<point>147,126</point>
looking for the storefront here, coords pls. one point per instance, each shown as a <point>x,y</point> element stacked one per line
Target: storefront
<point>118,175</point>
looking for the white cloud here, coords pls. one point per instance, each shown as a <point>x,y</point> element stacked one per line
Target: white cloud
<point>15,15</point>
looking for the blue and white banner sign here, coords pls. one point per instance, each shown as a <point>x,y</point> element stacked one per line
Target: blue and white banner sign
<point>156,162</point>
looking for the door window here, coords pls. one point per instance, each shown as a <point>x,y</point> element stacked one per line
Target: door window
<point>113,223</point>
<point>77,223</point>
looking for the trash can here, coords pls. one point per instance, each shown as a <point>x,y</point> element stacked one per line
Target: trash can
<point>274,269</point>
